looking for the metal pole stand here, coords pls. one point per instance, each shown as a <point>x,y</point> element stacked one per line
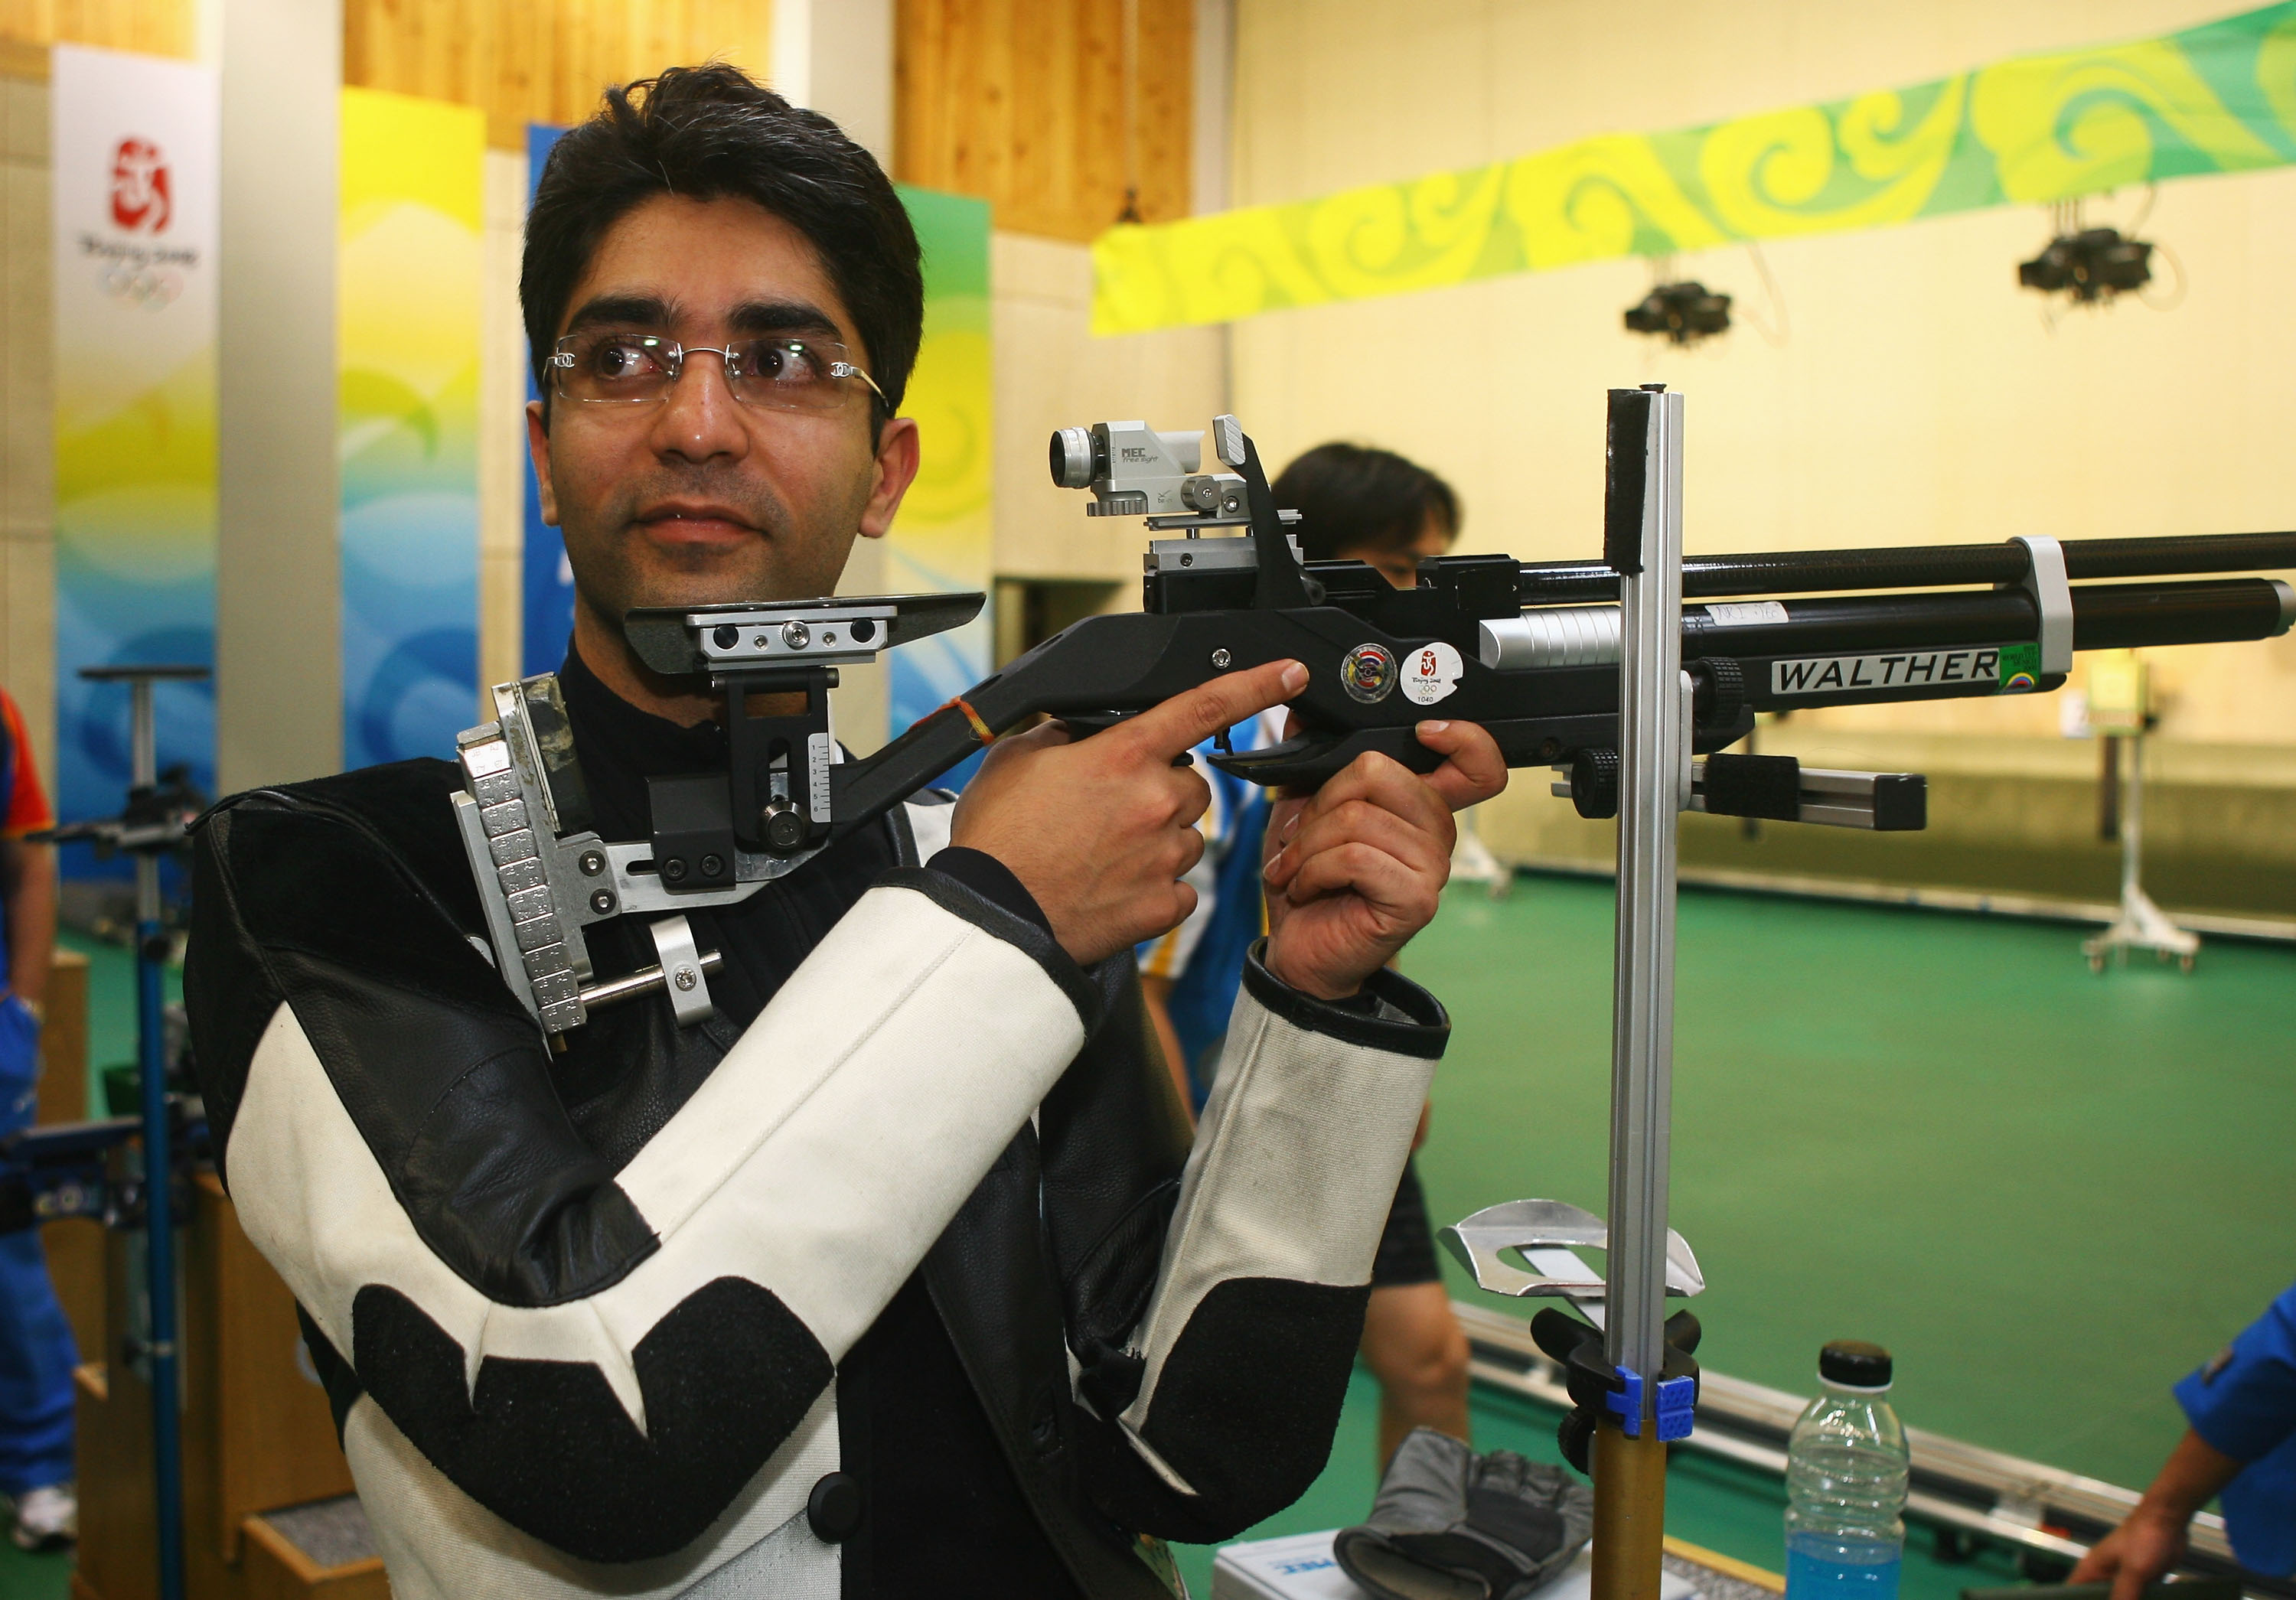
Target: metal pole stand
<point>1642,540</point>
<point>2142,926</point>
<point>1633,1385</point>
<point>160,1354</point>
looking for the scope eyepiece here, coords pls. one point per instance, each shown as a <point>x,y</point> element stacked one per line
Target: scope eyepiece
<point>1072,458</point>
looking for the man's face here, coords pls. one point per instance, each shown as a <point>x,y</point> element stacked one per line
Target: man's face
<point>1401,567</point>
<point>701,498</point>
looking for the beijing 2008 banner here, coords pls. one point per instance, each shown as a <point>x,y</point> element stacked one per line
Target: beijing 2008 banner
<point>134,145</point>
<point>408,322</point>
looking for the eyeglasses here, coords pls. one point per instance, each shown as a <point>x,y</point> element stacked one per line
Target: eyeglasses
<point>619,367</point>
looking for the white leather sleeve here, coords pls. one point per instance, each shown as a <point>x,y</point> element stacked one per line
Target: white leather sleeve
<point>819,1160</point>
<point>1293,1172</point>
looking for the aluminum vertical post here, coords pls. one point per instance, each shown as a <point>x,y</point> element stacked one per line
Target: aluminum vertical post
<point>160,1354</point>
<point>1643,542</point>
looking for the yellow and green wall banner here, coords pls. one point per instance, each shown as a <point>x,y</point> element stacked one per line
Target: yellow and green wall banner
<point>407,318</point>
<point>941,539</point>
<point>2220,97</point>
<point>134,142</point>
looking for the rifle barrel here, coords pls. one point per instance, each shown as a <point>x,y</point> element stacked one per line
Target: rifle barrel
<point>1916,567</point>
<point>2105,617</point>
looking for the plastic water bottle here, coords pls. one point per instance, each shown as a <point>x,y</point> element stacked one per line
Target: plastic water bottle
<point>1846,1469</point>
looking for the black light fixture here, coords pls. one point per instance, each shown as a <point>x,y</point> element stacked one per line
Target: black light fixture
<point>2089,266</point>
<point>1684,313</point>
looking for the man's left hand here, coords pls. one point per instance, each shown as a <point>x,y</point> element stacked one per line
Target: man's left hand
<point>1358,868</point>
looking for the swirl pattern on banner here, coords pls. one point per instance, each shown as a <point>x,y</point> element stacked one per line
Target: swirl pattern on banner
<point>2217,98</point>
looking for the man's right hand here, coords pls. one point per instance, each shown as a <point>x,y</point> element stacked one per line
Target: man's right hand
<point>2144,1549</point>
<point>1100,829</point>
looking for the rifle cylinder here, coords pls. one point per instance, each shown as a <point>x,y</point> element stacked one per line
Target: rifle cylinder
<point>2105,617</point>
<point>1917,567</point>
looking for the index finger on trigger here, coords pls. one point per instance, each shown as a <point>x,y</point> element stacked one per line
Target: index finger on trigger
<point>1190,717</point>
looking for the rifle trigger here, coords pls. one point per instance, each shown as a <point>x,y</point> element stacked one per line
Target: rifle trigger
<point>1220,744</point>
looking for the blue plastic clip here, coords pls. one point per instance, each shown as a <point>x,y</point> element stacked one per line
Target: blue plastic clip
<point>1678,1399</point>
<point>1627,1404</point>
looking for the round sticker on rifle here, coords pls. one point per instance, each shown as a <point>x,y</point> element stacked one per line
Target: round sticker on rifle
<point>1430,673</point>
<point>1367,673</point>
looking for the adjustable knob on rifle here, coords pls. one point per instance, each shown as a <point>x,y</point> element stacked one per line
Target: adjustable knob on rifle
<point>1721,691</point>
<point>782,825</point>
<point>1595,784</point>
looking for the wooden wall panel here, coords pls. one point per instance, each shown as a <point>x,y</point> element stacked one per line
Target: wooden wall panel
<point>1021,102</point>
<point>541,61</point>
<point>154,27</point>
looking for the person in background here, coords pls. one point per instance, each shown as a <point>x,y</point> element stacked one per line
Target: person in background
<point>1355,503</point>
<point>2241,1445</point>
<point>37,1353</point>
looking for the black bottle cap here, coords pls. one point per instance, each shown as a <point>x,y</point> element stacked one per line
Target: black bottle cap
<point>1855,1363</point>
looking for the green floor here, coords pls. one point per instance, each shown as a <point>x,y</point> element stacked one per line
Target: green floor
<point>2049,1192</point>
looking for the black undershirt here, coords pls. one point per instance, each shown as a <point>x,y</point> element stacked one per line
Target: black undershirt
<point>941,1512</point>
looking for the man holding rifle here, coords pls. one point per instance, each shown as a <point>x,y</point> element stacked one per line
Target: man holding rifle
<point>898,1277</point>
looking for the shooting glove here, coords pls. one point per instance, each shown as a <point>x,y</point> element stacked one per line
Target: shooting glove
<point>1449,1524</point>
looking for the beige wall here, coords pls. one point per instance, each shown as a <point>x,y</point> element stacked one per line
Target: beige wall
<point>502,428</point>
<point>1916,397</point>
<point>27,653</point>
<point>1052,374</point>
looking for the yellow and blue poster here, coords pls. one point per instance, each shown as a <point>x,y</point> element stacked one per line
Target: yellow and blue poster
<point>941,539</point>
<point>548,587</point>
<point>409,276</point>
<point>134,146</point>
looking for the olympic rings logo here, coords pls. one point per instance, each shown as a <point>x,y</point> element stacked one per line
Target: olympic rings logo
<point>151,288</point>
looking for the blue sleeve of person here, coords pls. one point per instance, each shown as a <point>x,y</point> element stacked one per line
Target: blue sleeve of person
<point>2244,1403</point>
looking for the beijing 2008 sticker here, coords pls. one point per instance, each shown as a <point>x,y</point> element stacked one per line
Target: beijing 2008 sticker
<point>1430,673</point>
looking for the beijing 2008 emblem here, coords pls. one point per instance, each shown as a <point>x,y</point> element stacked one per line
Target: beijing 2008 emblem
<point>1367,673</point>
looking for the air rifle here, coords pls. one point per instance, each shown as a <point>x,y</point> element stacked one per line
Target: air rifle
<point>1529,651</point>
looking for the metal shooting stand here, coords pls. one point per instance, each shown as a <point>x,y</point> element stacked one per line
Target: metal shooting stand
<point>152,825</point>
<point>1639,1387</point>
<point>1642,540</point>
<point>2141,925</point>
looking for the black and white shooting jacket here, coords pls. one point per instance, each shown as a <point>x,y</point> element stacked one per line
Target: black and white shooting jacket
<point>900,1276</point>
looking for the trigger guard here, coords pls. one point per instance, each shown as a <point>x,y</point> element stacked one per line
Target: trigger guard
<point>1310,760</point>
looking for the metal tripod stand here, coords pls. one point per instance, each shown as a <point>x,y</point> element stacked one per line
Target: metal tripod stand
<point>148,829</point>
<point>2141,925</point>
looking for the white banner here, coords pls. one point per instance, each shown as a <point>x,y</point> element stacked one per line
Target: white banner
<point>135,149</point>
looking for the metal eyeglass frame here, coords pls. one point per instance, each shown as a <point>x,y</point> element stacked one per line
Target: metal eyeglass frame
<point>674,355</point>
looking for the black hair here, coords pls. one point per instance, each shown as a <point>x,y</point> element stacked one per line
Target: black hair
<point>712,132</point>
<point>1353,498</point>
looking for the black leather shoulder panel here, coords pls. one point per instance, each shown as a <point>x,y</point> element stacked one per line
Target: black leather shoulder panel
<point>337,898</point>
<point>727,1377</point>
